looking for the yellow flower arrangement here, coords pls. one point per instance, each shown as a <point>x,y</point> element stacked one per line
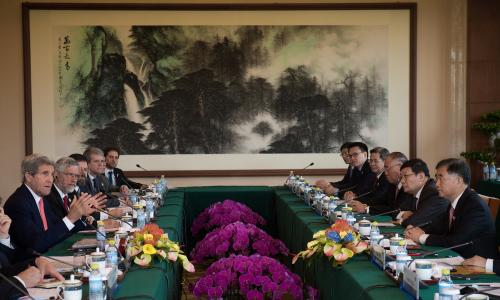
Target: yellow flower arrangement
<point>338,243</point>
<point>151,242</point>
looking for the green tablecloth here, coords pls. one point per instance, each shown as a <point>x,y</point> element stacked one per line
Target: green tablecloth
<point>288,219</point>
<point>162,281</point>
<point>489,188</point>
<point>297,223</point>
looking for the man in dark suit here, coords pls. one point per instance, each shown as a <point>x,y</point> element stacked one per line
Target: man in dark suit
<point>467,219</point>
<point>427,205</point>
<point>20,268</point>
<point>81,182</point>
<point>362,203</point>
<point>362,179</point>
<point>96,181</point>
<point>330,188</point>
<point>34,224</point>
<point>115,175</point>
<point>67,170</point>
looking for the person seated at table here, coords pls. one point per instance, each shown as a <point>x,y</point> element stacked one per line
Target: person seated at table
<point>331,188</point>
<point>427,205</point>
<point>80,183</point>
<point>24,273</point>
<point>489,264</point>
<point>96,181</point>
<point>467,218</point>
<point>61,194</point>
<point>362,178</point>
<point>34,224</point>
<point>361,203</point>
<point>115,175</point>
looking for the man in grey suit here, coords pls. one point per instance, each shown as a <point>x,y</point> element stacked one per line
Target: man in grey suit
<point>96,181</point>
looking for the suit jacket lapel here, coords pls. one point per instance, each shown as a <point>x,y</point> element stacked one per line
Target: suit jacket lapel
<point>33,206</point>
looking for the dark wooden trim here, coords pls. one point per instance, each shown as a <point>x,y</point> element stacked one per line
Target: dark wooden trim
<point>235,173</point>
<point>412,7</point>
<point>28,136</point>
<point>217,6</point>
<point>413,80</point>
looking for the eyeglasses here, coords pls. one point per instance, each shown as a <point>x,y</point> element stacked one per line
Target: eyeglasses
<point>354,155</point>
<point>72,175</point>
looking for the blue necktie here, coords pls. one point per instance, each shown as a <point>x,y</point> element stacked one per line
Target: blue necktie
<point>94,181</point>
<point>110,177</point>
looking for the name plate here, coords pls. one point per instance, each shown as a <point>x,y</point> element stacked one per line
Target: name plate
<point>410,284</point>
<point>378,256</point>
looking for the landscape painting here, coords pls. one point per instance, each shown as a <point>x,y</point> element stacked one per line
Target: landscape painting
<point>222,89</point>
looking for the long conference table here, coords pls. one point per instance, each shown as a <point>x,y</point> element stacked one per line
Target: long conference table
<point>289,219</point>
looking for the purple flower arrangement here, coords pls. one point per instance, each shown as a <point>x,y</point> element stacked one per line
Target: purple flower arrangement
<point>224,213</point>
<point>237,238</point>
<point>254,277</point>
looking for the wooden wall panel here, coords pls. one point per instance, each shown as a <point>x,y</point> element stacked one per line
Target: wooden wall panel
<point>483,68</point>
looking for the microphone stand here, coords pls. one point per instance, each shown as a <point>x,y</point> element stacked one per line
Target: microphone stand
<point>444,249</point>
<point>386,213</point>
<point>34,252</point>
<point>15,286</point>
<point>110,215</point>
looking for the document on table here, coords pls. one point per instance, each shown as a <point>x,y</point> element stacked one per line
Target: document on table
<point>39,293</point>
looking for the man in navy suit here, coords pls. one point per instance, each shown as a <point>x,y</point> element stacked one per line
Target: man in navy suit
<point>20,268</point>
<point>467,219</point>
<point>34,224</point>
<point>96,181</point>
<point>115,175</point>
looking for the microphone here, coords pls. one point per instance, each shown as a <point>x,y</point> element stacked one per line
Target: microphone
<point>139,166</point>
<point>422,224</point>
<point>309,165</point>
<point>362,195</point>
<point>347,189</point>
<point>118,176</point>
<point>444,249</point>
<point>386,213</point>
<point>110,215</point>
<point>10,282</point>
<point>36,253</point>
<point>117,198</point>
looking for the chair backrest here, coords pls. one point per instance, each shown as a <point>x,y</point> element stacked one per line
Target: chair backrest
<point>494,205</point>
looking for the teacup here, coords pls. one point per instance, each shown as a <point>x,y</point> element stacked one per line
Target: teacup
<point>364,227</point>
<point>71,289</point>
<point>397,244</point>
<point>424,269</point>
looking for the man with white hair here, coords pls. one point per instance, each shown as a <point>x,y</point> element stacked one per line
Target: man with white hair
<point>61,195</point>
<point>34,225</point>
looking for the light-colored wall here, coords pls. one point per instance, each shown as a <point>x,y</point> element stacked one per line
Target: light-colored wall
<point>434,135</point>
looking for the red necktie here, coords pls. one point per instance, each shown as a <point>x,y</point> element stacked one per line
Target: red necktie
<point>451,212</point>
<point>66,202</point>
<point>42,214</point>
